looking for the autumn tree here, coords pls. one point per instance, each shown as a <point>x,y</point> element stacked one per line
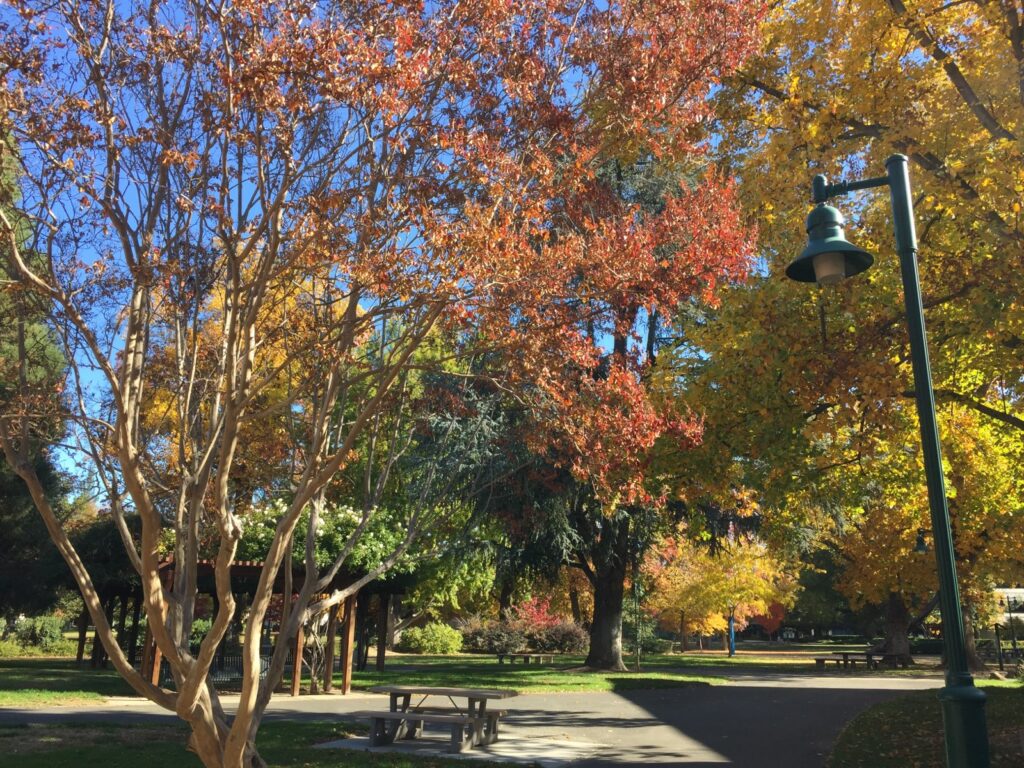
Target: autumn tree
<point>697,588</point>
<point>814,387</point>
<point>389,168</point>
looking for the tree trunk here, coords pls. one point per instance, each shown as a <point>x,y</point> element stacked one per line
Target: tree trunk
<point>609,555</point>
<point>83,628</point>
<point>329,648</point>
<point>682,632</point>
<point>574,604</point>
<point>206,740</point>
<point>133,635</point>
<point>606,627</point>
<point>897,626</point>
<point>974,662</point>
<point>362,633</point>
<point>507,589</point>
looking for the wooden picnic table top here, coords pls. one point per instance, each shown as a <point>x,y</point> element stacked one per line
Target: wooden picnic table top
<point>429,690</point>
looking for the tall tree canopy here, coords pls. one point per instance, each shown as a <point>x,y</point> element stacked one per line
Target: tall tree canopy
<point>386,169</point>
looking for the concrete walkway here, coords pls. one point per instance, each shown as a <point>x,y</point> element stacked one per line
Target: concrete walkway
<point>756,721</point>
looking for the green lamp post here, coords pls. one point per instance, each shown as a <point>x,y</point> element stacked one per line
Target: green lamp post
<point>827,259</point>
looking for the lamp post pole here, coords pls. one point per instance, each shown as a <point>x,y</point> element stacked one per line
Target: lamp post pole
<point>1013,630</point>
<point>963,705</point>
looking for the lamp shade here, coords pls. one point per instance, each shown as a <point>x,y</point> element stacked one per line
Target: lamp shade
<point>828,257</point>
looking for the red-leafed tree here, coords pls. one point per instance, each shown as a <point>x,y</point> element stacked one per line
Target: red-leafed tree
<point>390,172</point>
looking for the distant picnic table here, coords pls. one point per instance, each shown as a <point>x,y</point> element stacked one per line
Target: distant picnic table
<point>526,657</point>
<point>850,659</point>
<point>471,723</point>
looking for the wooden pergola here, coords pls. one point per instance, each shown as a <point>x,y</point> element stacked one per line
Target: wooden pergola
<point>245,576</point>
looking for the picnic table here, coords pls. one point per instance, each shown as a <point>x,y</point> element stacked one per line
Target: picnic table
<point>850,659</point>
<point>472,723</point>
<point>527,656</point>
<point>847,659</point>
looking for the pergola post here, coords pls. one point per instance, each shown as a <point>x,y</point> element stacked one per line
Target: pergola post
<point>297,660</point>
<point>122,622</point>
<point>158,657</point>
<point>133,635</point>
<point>166,580</point>
<point>383,608</point>
<point>332,633</point>
<point>348,644</point>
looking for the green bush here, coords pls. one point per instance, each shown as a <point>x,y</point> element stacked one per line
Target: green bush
<point>926,645</point>
<point>566,637</point>
<point>200,628</point>
<point>501,637</point>
<point>42,632</point>
<point>9,649</point>
<point>434,638</point>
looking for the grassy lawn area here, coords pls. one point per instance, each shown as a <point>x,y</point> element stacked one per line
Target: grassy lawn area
<point>907,732</point>
<point>283,745</point>
<point>485,672</point>
<point>41,682</point>
<point>52,682</point>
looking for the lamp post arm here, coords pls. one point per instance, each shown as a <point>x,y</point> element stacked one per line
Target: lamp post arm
<point>822,191</point>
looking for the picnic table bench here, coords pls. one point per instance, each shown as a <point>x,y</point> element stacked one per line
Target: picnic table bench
<point>471,724</point>
<point>891,660</point>
<point>850,659</point>
<point>846,659</point>
<point>538,658</point>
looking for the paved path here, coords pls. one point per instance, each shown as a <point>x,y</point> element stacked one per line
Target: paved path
<point>756,721</point>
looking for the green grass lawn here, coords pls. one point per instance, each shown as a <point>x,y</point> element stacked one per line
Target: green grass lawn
<point>907,732</point>
<point>41,682</point>
<point>283,745</point>
<point>485,672</point>
<point>53,682</point>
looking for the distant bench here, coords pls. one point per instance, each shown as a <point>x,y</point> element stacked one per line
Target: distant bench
<point>846,660</point>
<point>850,660</point>
<point>536,658</point>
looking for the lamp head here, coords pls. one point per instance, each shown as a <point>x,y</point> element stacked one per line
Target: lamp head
<point>921,547</point>
<point>828,257</point>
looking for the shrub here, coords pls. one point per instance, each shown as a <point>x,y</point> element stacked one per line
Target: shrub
<point>200,628</point>
<point>9,649</point>
<point>494,637</point>
<point>565,637</point>
<point>536,614</point>
<point>926,645</point>
<point>434,638</point>
<point>474,635</point>
<point>43,632</point>
<point>505,638</point>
